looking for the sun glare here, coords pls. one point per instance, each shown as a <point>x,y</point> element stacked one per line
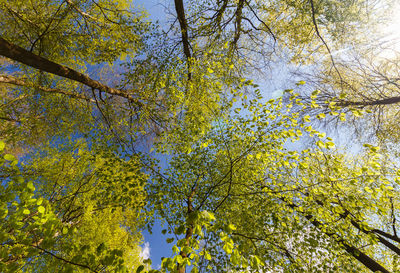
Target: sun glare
<point>391,30</point>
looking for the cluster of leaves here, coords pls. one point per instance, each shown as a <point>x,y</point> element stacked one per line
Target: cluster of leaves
<point>82,214</point>
<point>76,33</point>
<point>27,221</point>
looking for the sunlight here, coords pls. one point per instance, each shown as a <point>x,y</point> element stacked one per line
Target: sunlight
<point>391,30</point>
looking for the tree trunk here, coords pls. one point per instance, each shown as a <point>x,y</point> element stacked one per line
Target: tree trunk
<point>189,231</point>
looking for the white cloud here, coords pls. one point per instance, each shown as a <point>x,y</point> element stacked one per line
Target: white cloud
<point>145,253</point>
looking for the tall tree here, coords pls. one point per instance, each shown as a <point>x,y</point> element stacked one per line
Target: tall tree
<point>238,198</point>
<point>233,193</point>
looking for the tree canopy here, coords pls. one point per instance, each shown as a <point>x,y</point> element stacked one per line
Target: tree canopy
<point>111,122</point>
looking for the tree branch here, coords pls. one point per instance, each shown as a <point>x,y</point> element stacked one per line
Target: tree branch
<point>261,21</point>
<point>238,23</point>
<point>322,39</point>
<point>363,258</point>
<point>64,260</point>
<point>180,12</point>
<point>7,79</point>
<point>391,100</point>
<point>21,55</point>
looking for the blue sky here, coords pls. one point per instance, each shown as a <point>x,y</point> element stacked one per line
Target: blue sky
<point>155,8</point>
<point>154,244</point>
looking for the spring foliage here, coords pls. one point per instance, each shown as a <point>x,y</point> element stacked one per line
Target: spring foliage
<point>107,125</point>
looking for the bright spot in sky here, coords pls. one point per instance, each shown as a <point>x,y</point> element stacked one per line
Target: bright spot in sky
<point>277,94</point>
<point>391,30</point>
<point>145,253</point>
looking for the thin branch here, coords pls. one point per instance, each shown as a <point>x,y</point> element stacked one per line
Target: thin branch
<point>322,39</point>
<point>7,79</point>
<point>64,260</point>
<point>261,21</point>
<point>363,258</point>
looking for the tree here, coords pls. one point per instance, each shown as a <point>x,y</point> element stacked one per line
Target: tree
<point>241,200</point>
<point>234,194</point>
<point>74,212</point>
<point>367,89</point>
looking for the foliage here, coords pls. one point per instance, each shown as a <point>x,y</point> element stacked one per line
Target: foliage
<point>272,207</point>
<point>75,33</point>
<point>247,184</point>
<point>78,215</point>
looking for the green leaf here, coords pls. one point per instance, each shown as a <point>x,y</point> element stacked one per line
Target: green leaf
<point>140,268</point>
<point>228,247</point>
<point>41,209</point>
<point>235,257</point>
<point>30,186</point>
<point>100,248</point>
<point>301,83</point>
<point>320,144</point>
<point>231,227</point>
<point>9,157</point>
<point>330,145</point>
<point>333,113</point>
<point>179,259</point>
<point>207,255</point>
<point>204,145</point>
<point>368,189</point>
<point>356,112</point>
<point>3,212</point>
<point>175,249</point>
<point>315,92</point>
<point>64,230</point>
